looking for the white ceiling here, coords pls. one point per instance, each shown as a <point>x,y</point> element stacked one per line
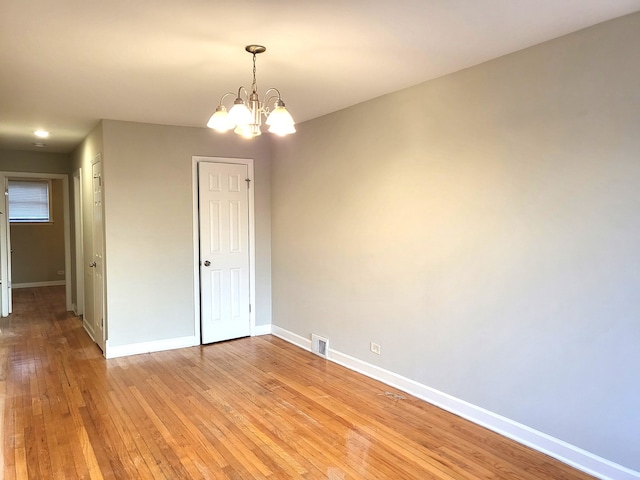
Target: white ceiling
<point>67,64</point>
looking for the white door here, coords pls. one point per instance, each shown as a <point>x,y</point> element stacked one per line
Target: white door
<point>224,251</point>
<point>5,250</point>
<point>98,255</point>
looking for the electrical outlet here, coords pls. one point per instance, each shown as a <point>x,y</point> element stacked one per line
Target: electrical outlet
<point>375,348</point>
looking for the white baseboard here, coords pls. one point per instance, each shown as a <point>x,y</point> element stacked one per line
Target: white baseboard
<point>294,338</point>
<point>53,283</point>
<point>563,451</point>
<point>262,330</point>
<point>168,344</point>
<point>148,347</point>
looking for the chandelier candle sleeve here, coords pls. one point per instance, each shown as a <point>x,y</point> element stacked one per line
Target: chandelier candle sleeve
<point>245,115</point>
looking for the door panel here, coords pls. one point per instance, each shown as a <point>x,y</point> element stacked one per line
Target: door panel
<point>98,255</point>
<point>224,251</point>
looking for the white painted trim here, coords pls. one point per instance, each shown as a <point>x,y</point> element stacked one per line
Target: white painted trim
<point>52,283</point>
<point>291,337</point>
<point>262,330</point>
<point>149,347</point>
<point>196,238</point>
<point>78,241</point>
<point>559,449</point>
<point>67,241</point>
<point>195,223</point>
<point>5,256</point>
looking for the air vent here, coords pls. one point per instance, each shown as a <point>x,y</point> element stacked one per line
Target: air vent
<point>319,345</point>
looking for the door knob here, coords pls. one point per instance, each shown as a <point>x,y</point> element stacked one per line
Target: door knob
<point>207,263</point>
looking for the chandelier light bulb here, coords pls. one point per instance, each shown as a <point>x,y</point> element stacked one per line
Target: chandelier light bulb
<point>240,114</point>
<point>246,131</point>
<point>280,121</point>
<point>219,121</point>
<point>282,131</point>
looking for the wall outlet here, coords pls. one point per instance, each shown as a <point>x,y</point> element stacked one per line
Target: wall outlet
<point>375,348</point>
<point>60,272</point>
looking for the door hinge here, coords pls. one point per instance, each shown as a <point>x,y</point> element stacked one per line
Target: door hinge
<point>249,308</point>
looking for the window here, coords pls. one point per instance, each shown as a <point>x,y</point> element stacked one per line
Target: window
<point>29,201</point>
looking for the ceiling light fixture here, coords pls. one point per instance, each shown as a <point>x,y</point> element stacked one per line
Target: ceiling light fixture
<point>245,116</point>
<point>41,133</point>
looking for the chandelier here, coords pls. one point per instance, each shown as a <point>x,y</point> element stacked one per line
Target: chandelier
<point>245,116</point>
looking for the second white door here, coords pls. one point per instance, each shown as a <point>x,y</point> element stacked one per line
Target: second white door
<point>224,251</point>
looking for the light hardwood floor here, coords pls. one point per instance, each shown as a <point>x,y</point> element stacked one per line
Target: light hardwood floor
<point>250,408</point>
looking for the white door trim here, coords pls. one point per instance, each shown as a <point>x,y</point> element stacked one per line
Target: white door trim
<point>5,249</point>
<point>196,239</point>
<point>67,230</point>
<point>79,240</point>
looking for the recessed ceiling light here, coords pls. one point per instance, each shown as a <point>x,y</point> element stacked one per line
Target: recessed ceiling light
<point>41,133</point>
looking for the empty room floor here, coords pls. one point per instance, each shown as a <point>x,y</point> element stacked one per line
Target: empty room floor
<point>250,408</point>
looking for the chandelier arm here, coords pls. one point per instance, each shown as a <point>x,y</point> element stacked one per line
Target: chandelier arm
<point>246,94</point>
<point>272,89</point>
<point>225,96</point>
<point>267,98</point>
<point>267,101</point>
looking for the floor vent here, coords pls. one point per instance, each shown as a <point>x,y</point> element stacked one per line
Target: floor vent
<point>319,345</point>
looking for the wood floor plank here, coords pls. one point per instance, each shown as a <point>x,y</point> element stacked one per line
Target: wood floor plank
<point>20,465</point>
<point>254,408</point>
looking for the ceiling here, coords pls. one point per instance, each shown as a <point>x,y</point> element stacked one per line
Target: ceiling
<point>66,65</point>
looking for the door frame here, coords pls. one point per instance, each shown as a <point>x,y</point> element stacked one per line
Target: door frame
<point>196,240</point>
<point>66,219</point>
<point>79,239</point>
<point>5,250</point>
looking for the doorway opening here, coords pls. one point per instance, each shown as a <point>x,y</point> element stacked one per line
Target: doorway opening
<point>29,239</point>
<point>224,248</point>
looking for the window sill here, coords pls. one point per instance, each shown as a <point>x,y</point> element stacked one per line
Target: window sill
<point>29,223</point>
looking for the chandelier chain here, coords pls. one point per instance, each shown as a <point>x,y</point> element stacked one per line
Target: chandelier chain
<point>254,87</point>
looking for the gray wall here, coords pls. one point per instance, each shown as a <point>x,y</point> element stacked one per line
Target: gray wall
<point>483,229</point>
<point>37,251</point>
<point>148,200</point>
<point>34,162</point>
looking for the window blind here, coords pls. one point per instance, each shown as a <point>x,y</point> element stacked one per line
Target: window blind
<point>29,201</point>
